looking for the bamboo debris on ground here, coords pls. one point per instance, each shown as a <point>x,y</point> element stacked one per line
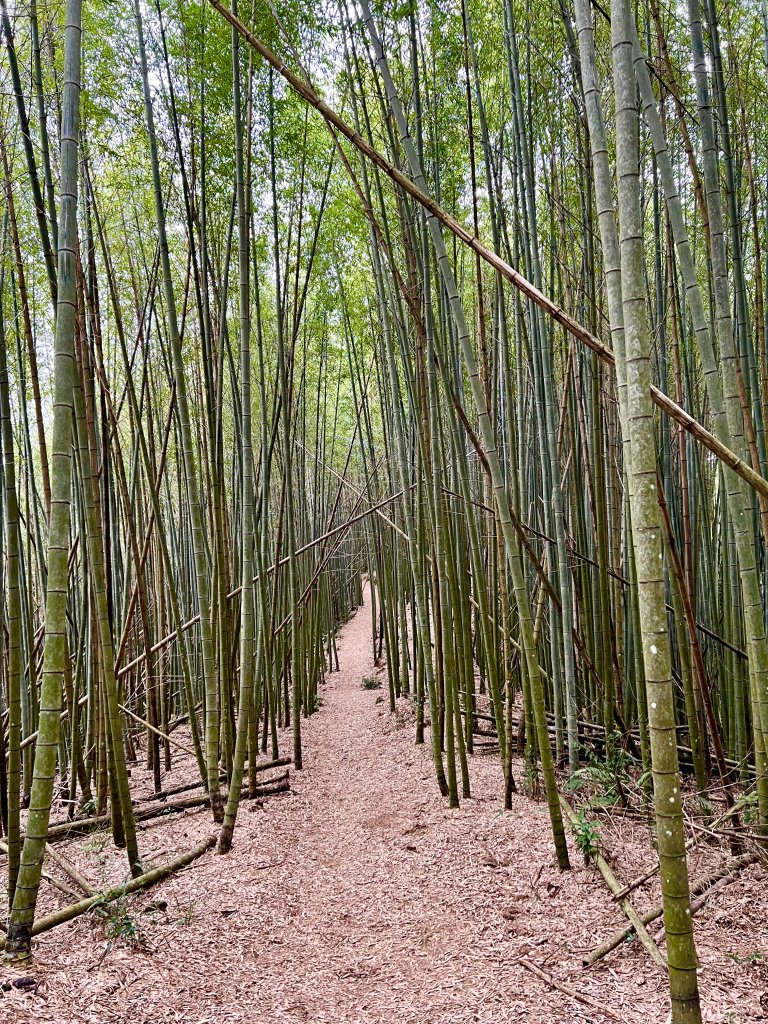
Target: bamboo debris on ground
<point>279,784</point>
<point>257,769</point>
<point>591,735</point>
<point>568,990</point>
<point>150,877</point>
<point>699,892</point>
<point>70,870</point>
<point>615,886</point>
<point>54,880</point>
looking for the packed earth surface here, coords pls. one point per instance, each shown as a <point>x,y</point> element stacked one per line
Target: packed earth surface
<point>360,897</point>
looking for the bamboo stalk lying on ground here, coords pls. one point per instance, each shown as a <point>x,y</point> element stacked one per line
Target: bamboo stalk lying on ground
<point>639,880</point>
<point>572,992</point>
<point>280,784</point>
<point>727,872</point>
<point>594,733</point>
<point>70,870</point>
<point>57,883</point>
<point>44,924</point>
<point>279,762</point>
<point>615,886</point>
<point>270,787</point>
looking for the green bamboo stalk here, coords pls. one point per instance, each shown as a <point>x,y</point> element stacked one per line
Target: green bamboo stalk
<point>647,541</point>
<point>190,462</point>
<point>18,942</point>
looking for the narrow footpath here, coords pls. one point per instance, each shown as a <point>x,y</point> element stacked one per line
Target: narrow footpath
<point>358,898</point>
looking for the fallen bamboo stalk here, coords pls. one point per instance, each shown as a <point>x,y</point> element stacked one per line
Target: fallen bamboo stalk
<point>701,889</point>
<point>615,886</point>
<point>44,924</point>
<point>644,877</point>
<point>67,828</point>
<point>280,784</point>
<point>61,885</point>
<point>700,901</point>
<point>70,870</point>
<point>572,992</point>
<point>53,880</point>
<point>685,754</point>
<point>278,762</point>
<point>630,887</point>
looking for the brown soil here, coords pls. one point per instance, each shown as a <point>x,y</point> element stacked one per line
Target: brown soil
<point>362,898</point>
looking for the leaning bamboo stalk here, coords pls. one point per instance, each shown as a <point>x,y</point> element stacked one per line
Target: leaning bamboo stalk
<point>663,401</point>
<point>123,827</point>
<point>157,732</point>
<point>13,614</point>
<point>28,333</point>
<point>53,272</point>
<point>249,667</point>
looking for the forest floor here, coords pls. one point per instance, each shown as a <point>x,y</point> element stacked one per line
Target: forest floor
<point>360,897</point>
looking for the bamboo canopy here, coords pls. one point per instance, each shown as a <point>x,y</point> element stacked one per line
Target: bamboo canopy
<point>481,349</point>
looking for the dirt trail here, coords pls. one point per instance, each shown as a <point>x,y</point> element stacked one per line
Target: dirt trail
<point>359,898</point>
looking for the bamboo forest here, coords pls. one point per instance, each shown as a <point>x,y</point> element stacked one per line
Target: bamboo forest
<point>384,511</point>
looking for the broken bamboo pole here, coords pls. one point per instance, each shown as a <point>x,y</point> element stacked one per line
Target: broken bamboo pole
<point>269,787</point>
<point>615,886</point>
<point>572,992</point>
<point>702,888</point>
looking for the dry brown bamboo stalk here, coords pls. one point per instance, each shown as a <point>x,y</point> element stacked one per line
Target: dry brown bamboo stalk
<point>664,402</point>
<point>70,870</point>
<point>57,883</point>
<point>158,732</point>
<point>572,992</point>
<point>615,886</point>
<point>279,762</point>
<point>728,871</point>
<point>268,788</point>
